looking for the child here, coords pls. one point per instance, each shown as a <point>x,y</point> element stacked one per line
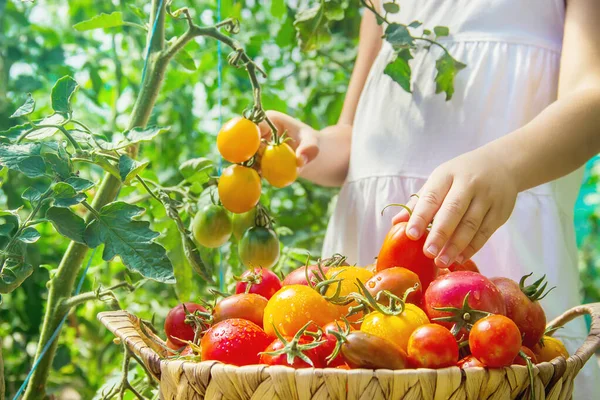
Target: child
<point>504,155</point>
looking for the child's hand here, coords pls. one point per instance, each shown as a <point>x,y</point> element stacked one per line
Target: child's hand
<point>470,196</point>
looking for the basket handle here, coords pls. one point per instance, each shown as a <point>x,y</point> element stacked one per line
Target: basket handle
<point>592,342</point>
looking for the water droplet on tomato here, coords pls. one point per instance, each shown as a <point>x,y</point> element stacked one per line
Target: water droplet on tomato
<point>371,285</point>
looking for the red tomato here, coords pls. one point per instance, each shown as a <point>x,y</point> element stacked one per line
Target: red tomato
<point>468,265</point>
<point>450,290</point>
<point>262,281</point>
<point>468,362</point>
<point>187,351</point>
<point>432,346</point>
<point>397,280</point>
<point>519,360</point>
<point>248,306</point>
<point>234,341</point>
<point>527,314</point>
<point>400,251</point>
<point>298,276</point>
<point>175,326</point>
<point>495,341</point>
<point>290,350</point>
<point>172,345</point>
<point>327,348</point>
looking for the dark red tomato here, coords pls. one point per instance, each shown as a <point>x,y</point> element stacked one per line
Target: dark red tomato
<point>495,341</point>
<point>450,290</point>
<point>234,341</point>
<point>175,326</point>
<point>327,348</point>
<point>314,355</point>
<point>527,314</point>
<point>262,281</point>
<point>519,360</point>
<point>397,280</point>
<point>468,265</point>
<point>248,306</point>
<point>364,350</point>
<point>468,362</point>
<point>432,346</point>
<point>298,276</point>
<point>400,251</point>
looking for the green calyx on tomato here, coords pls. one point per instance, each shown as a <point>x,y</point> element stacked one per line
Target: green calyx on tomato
<point>537,290</point>
<point>211,226</point>
<point>367,302</point>
<point>321,283</point>
<point>293,348</point>
<point>463,317</point>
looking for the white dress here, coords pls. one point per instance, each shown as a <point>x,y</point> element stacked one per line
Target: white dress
<point>512,51</point>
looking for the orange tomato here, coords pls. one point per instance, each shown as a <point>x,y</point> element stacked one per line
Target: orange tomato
<point>238,140</point>
<point>279,165</point>
<point>239,188</point>
<point>549,349</point>
<point>349,275</point>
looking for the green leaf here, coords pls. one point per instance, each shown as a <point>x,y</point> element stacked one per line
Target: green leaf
<point>184,278</point>
<point>136,135</point>
<point>43,133</point>
<point>184,59</point>
<point>131,240</point>
<point>441,31</point>
<point>61,94</point>
<point>66,196</point>
<point>79,184</point>
<point>60,166</point>
<point>26,109</point>
<point>13,274</point>
<point>14,132</point>
<point>399,70</point>
<point>29,235</point>
<point>24,158</point>
<point>415,24</point>
<point>67,223</point>
<point>391,8</point>
<point>398,36</point>
<point>447,68</point>
<point>335,9</point>
<point>101,21</point>
<point>32,195</point>
<point>426,32</point>
<point>106,165</point>
<point>137,11</point>
<point>6,229</point>
<point>129,168</point>
<point>312,28</point>
<point>278,8</point>
<point>196,170</point>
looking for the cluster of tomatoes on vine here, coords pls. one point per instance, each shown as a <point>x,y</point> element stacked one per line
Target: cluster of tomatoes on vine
<point>238,210</point>
<point>401,312</point>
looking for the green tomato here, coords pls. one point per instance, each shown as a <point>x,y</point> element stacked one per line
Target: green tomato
<point>212,226</point>
<point>243,222</point>
<point>259,247</point>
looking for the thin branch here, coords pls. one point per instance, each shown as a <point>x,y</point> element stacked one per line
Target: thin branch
<point>97,294</point>
<point>141,180</point>
<point>59,127</point>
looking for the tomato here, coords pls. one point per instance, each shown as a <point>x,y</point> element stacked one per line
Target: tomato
<point>468,265</point>
<point>172,346</point>
<point>259,247</point>
<point>451,289</point>
<point>397,280</point>
<point>298,276</point>
<point>364,350</point>
<point>468,362</point>
<point>400,251</point>
<point>432,346</point>
<point>188,351</point>
<point>279,165</point>
<point>519,360</point>
<point>343,366</point>
<point>175,326</point>
<point>262,281</point>
<point>248,306</point>
<point>525,312</point>
<point>239,188</point>
<point>327,348</point>
<point>234,341</point>
<point>238,140</point>
<point>495,341</point>
<point>242,222</point>
<point>349,276</point>
<point>212,226</point>
<point>549,348</point>
<point>294,306</point>
<point>290,350</point>
<point>395,328</point>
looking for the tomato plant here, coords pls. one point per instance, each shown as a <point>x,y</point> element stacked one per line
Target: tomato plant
<point>432,346</point>
<point>248,306</point>
<point>212,226</point>
<point>279,165</point>
<point>239,188</point>
<point>495,341</point>
<point>238,140</point>
<point>261,281</point>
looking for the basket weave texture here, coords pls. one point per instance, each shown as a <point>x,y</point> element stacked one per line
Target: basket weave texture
<point>186,380</point>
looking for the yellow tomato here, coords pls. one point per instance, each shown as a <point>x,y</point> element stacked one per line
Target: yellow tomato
<point>395,328</point>
<point>349,275</point>
<point>278,165</point>
<point>239,188</point>
<point>293,306</point>
<point>238,140</point>
<point>552,348</point>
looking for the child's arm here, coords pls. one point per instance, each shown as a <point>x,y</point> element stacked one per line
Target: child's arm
<point>324,155</point>
<point>473,195</point>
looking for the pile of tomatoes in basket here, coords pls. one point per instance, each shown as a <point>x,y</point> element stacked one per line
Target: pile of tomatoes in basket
<point>401,312</point>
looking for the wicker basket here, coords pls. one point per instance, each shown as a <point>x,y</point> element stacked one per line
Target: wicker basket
<point>185,380</point>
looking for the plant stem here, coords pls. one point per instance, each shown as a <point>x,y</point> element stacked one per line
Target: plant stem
<point>1,372</point>
<point>59,127</point>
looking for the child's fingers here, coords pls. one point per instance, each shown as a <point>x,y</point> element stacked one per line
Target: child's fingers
<point>485,231</point>
<point>403,215</point>
<point>308,148</point>
<point>429,202</point>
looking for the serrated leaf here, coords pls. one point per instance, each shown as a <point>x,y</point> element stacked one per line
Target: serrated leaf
<point>43,133</point>
<point>441,31</point>
<point>79,184</point>
<point>398,36</point>
<point>399,69</point>
<point>136,135</point>
<point>391,8</point>
<point>131,240</point>
<point>415,24</point>
<point>24,158</point>
<point>312,28</point>
<point>66,196</point>
<point>32,195</point>
<point>29,235</point>
<point>278,8</point>
<point>61,94</point>
<point>335,9</point>
<point>14,132</point>
<point>184,59</point>
<point>447,68</point>
<point>6,229</point>
<point>106,165</point>
<point>67,223</point>
<point>196,170</point>
<point>129,168</point>
<point>27,108</point>
<point>101,21</point>
<point>13,274</point>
